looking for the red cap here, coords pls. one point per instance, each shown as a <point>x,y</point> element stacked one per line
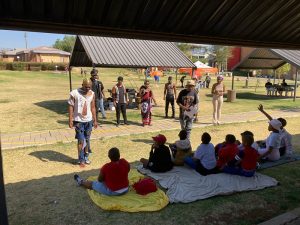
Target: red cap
<point>161,139</point>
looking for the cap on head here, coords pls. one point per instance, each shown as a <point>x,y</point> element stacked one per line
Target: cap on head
<point>120,78</point>
<point>276,124</point>
<point>190,83</point>
<point>169,78</point>
<point>220,77</point>
<point>160,139</point>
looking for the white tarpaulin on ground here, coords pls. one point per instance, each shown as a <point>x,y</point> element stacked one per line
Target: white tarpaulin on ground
<point>186,185</point>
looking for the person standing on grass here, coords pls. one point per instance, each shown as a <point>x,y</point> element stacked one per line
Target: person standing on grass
<point>82,117</point>
<point>96,90</point>
<point>113,176</point>
<point>187,101</point>
<point>146,103</point>
<point>120,100</point>
<point>218,90</point>
<point>170,96</point>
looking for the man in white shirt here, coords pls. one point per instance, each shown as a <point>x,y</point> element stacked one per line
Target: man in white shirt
<point>82,117</point>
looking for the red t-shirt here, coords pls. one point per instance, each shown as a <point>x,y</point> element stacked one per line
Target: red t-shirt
<point>227,154</point>
<point>115,174</point>
<point>249,158</point>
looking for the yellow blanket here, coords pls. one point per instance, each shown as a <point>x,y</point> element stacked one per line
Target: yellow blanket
<point>131,201</point>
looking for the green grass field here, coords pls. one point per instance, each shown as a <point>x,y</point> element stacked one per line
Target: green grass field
<point>34,101</point>
<point>39,180</point>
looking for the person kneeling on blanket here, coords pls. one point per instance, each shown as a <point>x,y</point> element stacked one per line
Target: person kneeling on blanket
<point>245,161</point>
<point>113,176</point>
<point>160,157</point>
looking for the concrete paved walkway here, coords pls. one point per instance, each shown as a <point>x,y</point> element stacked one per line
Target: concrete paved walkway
<point>19,140</point>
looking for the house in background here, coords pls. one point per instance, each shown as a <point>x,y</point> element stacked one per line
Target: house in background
<point>39,54</point>
<point>44,54</point>
<point>10,55</point>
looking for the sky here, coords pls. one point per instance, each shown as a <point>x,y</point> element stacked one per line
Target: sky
<point>15,39</point>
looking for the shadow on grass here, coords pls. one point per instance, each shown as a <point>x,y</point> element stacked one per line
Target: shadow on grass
<point>58,106</point>
<point>254,96</point>
<point>145,141</point>
<point>50,155</point>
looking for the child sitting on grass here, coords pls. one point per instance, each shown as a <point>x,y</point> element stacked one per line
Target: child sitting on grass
<point>227,152</point>
<point>181,149</point>
<point>113,176</point>
<point>286,147</point>
<point>246,159</point>
<point>271,152</point>
<point>204,160</point>
<point>160,156</point>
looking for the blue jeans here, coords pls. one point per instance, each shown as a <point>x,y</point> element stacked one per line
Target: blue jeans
<point>101,106</point>
<point>186,124</point>
<point>101,188</point>
<point>238,171</point>
<point>83,133</point>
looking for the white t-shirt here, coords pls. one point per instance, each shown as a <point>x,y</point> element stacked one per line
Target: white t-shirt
<point>286,141</point>
<point>82,105</point>
<point>206,154</point>
<point>274,141</point>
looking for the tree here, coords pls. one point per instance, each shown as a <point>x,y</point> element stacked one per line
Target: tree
<point>66,44</point>
<point>283,70</point>
<point>185,48</point>
<point>221,55</point>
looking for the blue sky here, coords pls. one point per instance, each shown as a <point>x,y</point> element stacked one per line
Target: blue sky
<point>15,39</point>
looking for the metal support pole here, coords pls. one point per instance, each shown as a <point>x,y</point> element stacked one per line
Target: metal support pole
<point>232,82</point>
<point>295,88</point>
<point>3,209</point>
<point>70,78</point>
<point>274,72</point>
<point>176,75</point>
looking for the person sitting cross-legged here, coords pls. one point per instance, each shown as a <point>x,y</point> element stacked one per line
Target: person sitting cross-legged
<point>246,160</point>
<point>159,157</point>
<point>181,148</point>
<point>204,159</point>
<point>113,176</point>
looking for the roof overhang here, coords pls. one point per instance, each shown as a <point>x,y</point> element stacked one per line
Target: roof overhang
<point>256,23</point>
<point>262,58</point>
<point>126,53</point>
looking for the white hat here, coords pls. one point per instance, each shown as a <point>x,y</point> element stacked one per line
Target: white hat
<point>276,124</point>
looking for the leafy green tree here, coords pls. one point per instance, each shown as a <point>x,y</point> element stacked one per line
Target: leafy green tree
<point>185,48</point>
<point>285,69</point>
<point>221,55</point>
<point>66,44</point>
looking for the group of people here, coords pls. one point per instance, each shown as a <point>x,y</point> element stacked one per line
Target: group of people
<point>85,102</point>
<point>231,156</point>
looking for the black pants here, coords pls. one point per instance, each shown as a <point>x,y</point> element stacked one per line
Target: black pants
<point>121,107</point>
<point>170,99</point>
<point>207,84</point>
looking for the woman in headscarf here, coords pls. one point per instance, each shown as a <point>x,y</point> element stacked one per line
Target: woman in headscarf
<point>218,89</point>
<point>146,100</point>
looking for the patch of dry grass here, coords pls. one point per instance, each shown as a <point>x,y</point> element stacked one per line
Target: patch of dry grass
<point>40,187</point>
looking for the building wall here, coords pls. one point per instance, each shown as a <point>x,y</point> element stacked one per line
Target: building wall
<point>8,58</point>
<point>52,58</point>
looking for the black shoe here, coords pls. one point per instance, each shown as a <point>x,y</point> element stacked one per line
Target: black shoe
<point>117,125</point>
<point>166,117</point>
<point>173,116</point>
<point>126,123</point>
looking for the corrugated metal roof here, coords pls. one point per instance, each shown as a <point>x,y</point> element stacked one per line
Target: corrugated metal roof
<point>265,23</point>
<point>122,52</point>
<point>269,59</point>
